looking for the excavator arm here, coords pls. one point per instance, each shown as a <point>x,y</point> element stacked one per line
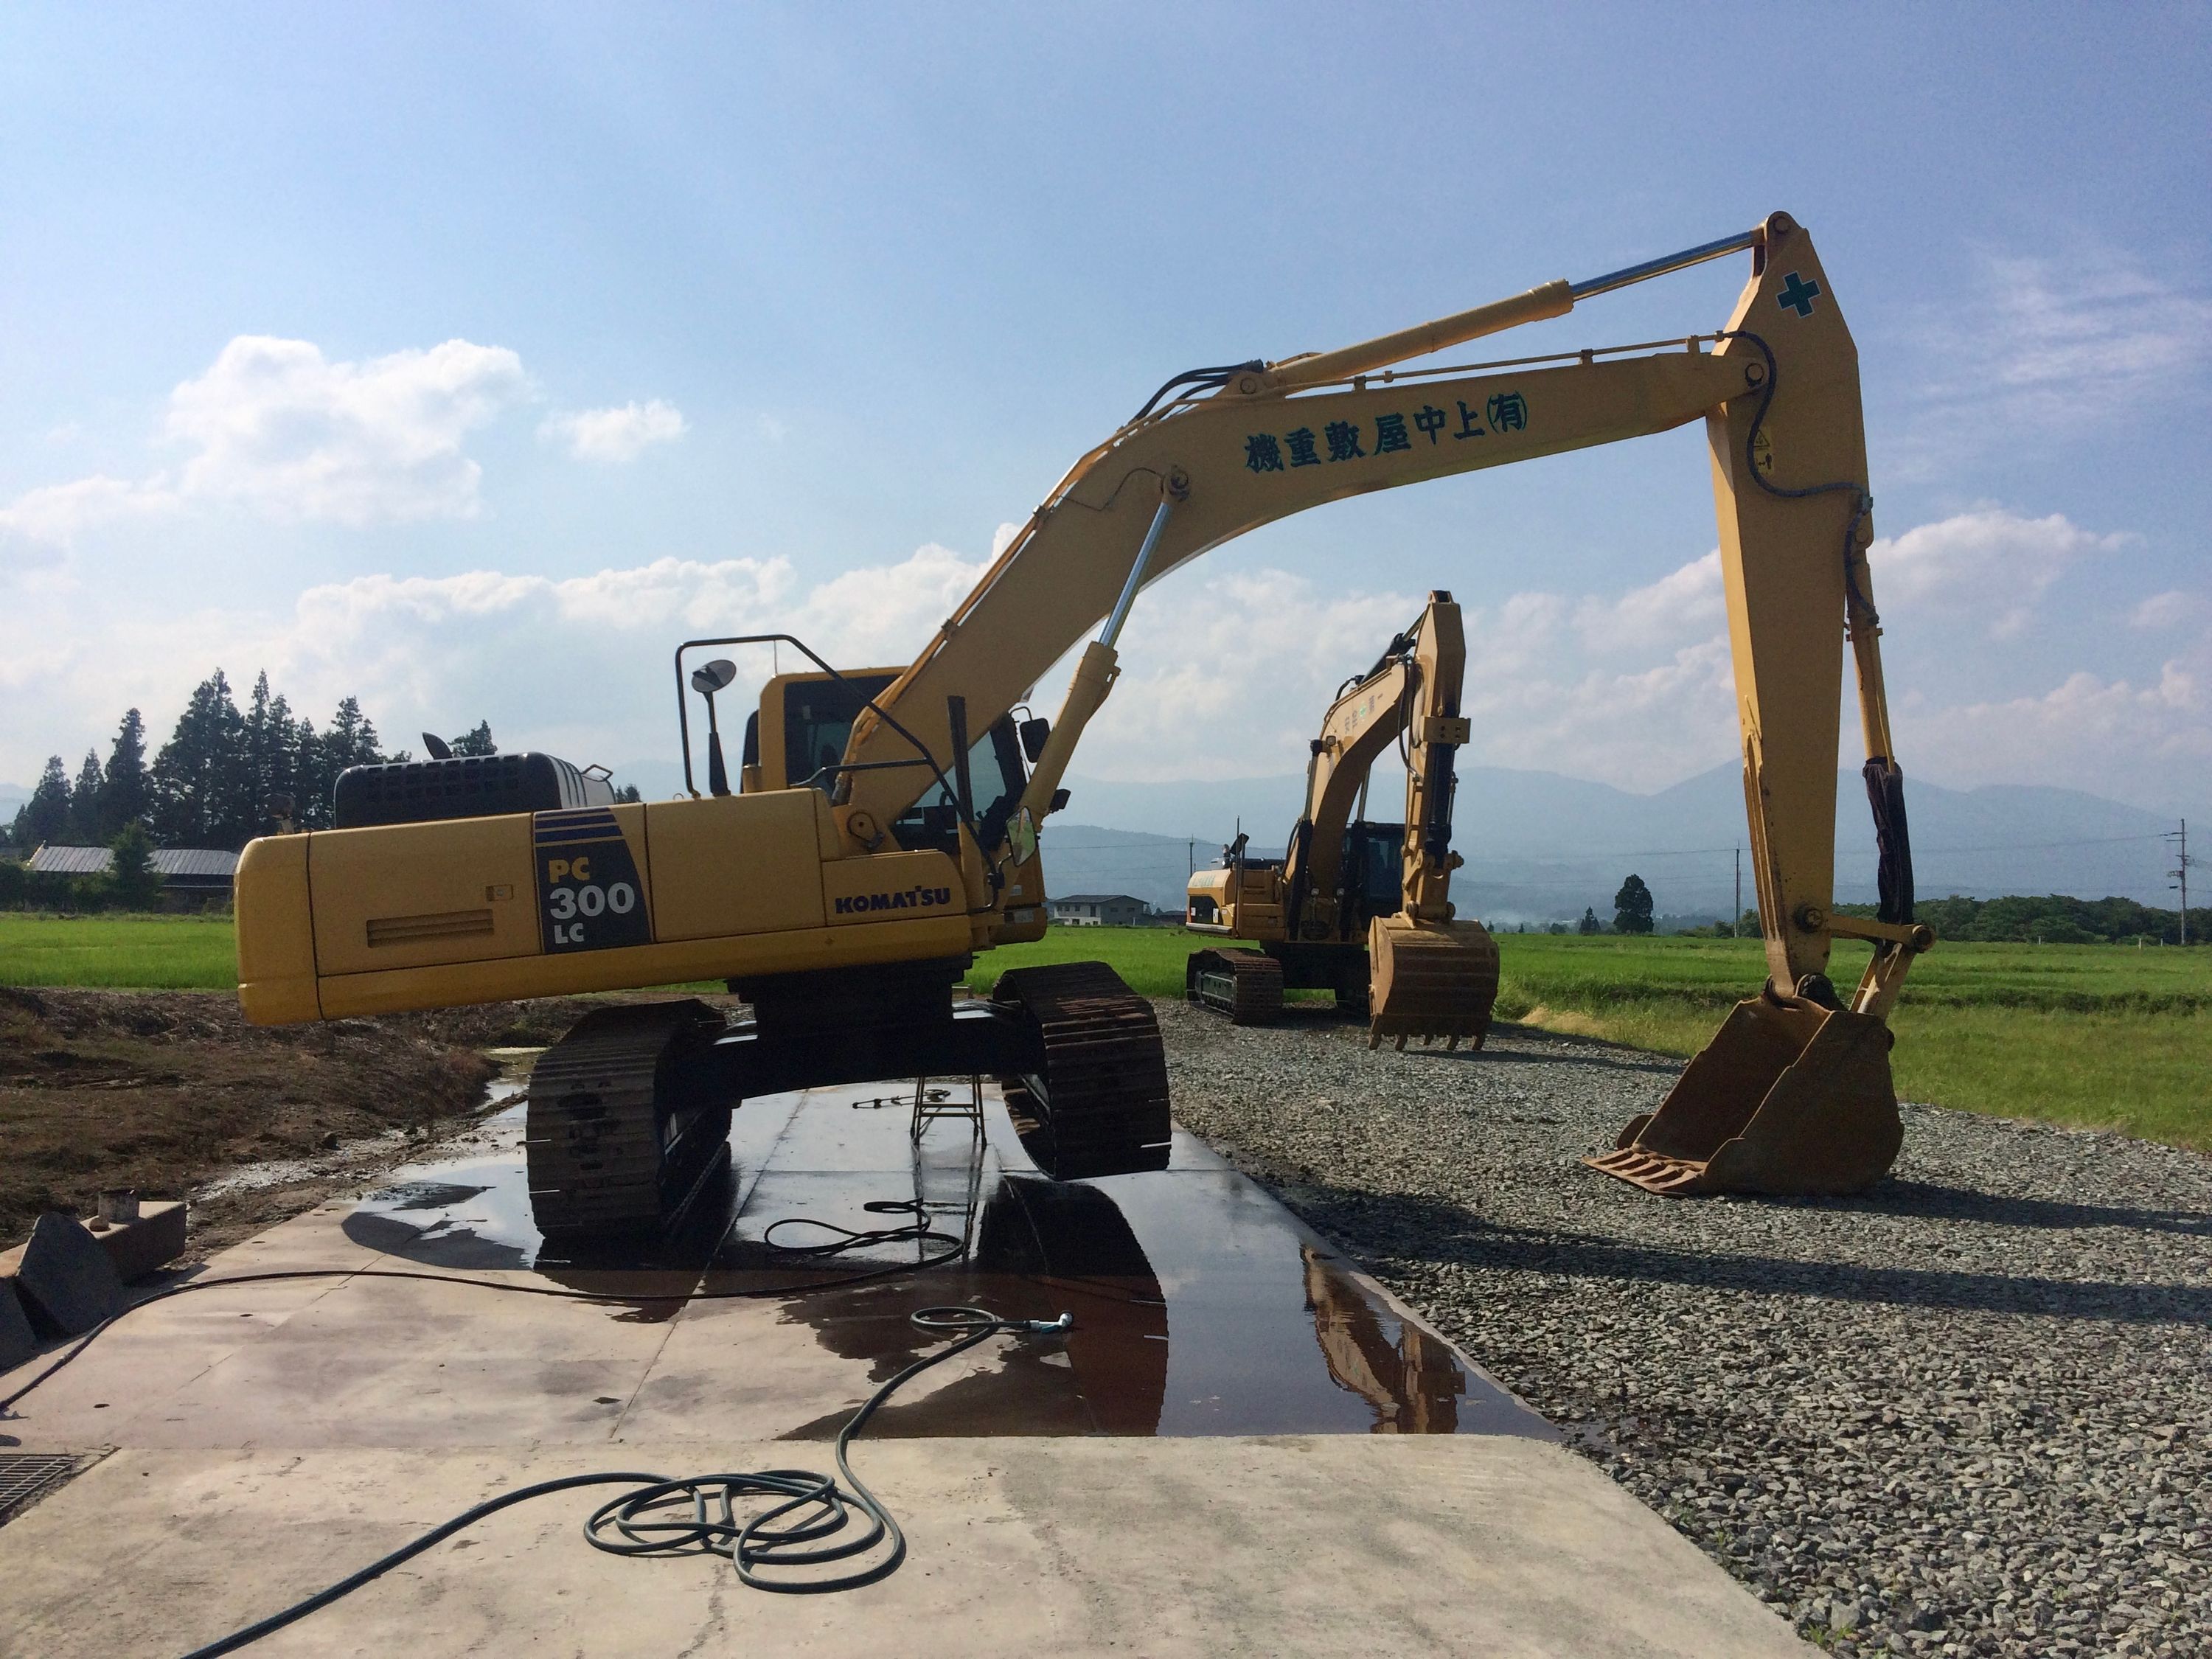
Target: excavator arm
<point>1369,715</point>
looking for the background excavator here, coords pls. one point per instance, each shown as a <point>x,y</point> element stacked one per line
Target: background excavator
<point>844,898</point>
<point>1361,908</point>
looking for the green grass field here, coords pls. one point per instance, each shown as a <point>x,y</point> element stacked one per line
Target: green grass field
<point>2092,1035</point>
<point>167,953</point>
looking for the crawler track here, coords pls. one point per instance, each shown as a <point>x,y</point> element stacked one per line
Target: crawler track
<point>609,1150</point>
<point>1098,1103</point>
<point>1245,985</point>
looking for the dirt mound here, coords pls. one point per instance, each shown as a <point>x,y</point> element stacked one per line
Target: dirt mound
<point>161,1089</point>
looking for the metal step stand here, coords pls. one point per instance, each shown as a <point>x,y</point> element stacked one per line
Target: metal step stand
<point>950,1103</point>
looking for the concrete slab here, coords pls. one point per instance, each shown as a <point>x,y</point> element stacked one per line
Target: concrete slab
<point>64,1277</point>
<point>1243,1445</point>
<point>1490,1545</point>
<point>18,1342</point>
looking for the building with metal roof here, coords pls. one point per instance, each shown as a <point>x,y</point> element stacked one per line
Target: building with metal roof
<point>198,870</point>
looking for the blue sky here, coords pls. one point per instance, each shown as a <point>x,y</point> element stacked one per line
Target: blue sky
<point>466,358</point>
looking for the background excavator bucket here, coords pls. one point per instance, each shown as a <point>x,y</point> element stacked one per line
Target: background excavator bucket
<point>1429,980</point>
<point>1790,1097</point>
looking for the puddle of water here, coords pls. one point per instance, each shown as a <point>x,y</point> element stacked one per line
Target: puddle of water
<point>1201,1306</point>
<point>349,1157</point>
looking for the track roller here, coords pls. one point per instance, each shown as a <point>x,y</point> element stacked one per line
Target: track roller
<point>1431,980</point>
<point>1245,985</point>
<point>614,1144</point>
<point>1098,1103</point>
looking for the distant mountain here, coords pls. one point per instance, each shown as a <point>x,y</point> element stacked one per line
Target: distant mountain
<point>1539,846</point>
<point>13,795</point>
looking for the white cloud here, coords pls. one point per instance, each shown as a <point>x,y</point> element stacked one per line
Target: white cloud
<point>55,515</point>
<point>280,428</point>
<point>2139,741</point>
<point>275,427</point>
<point>2045,344</point>
<point>1224,674</point>
<point>1988,562</point>
<point>2172,609</point>
<point>1553,682</point>
<point>1684,601</point>
<point>614,434</point>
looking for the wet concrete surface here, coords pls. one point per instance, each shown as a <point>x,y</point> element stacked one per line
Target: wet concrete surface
<point>1242,1446</point>
<point>1201,1306</point>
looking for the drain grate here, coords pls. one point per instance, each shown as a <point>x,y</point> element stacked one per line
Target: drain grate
<point>27,1475</point>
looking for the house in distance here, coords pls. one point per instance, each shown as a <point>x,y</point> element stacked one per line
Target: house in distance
<point>1101,910</point>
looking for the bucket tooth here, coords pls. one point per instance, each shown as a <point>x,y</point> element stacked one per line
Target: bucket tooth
<point>1429,980</point>
<point>1788,1098</point>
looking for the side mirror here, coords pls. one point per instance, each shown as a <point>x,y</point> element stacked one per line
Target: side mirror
<point>1034,732</point>
<point>706,679</point>
<point>1059,801</point>
<point>1022,835</point>
<point>709,677</point>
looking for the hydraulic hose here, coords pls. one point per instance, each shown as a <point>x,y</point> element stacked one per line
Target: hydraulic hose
<point>821,1517</point>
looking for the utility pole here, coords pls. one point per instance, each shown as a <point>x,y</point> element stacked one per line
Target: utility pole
<point>1190,857</point>
<point>1735,917</point>
<point>2180,871</point>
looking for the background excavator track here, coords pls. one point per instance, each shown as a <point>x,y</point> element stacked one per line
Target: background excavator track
<point>1245,985</point>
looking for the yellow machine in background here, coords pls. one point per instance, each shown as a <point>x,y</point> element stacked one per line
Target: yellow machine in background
<point>844,901</point>
<point>1360,909</point>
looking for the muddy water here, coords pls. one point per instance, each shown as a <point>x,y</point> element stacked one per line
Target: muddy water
<point>1200,1305</point>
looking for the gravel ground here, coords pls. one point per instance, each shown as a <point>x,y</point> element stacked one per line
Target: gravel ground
<point>1969,1412</point>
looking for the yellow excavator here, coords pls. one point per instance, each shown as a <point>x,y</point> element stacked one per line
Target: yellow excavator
<point>1360,909</point>
<point>886,828</point>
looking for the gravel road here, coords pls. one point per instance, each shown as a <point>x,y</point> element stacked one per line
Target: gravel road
<point>1969,1412</point>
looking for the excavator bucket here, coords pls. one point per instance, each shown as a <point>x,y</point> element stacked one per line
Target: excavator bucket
<point>1429,980</point>
<point>1790,1097</point>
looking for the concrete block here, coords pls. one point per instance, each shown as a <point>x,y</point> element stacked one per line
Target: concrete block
<point>65,1279</point>
<point>137,1247</point>
<point>18,1342</point>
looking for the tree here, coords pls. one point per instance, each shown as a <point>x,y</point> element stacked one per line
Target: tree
<point>84,802</point>
<point>44,817</point>
<point>201,777</point>
<point>628,793</point>
<point>1632,907</point>
<point>124,793</point>
<point>475,741</point>
<point>132,878</point>
<point>1590,923</point>
<point>272,756</point>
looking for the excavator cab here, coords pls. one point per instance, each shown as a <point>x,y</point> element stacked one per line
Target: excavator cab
<point>796,739</point>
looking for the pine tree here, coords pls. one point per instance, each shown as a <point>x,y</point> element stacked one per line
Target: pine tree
<point>124,796</point>
<point>475,741</point>
<point>132,879</point>
<point>1590,923</point>
<point>272,757</point>
<point>44,817</point>
<point>199,776</point>
<point>311,778</point>
<point>349,739</point>
<point>84,802</point>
